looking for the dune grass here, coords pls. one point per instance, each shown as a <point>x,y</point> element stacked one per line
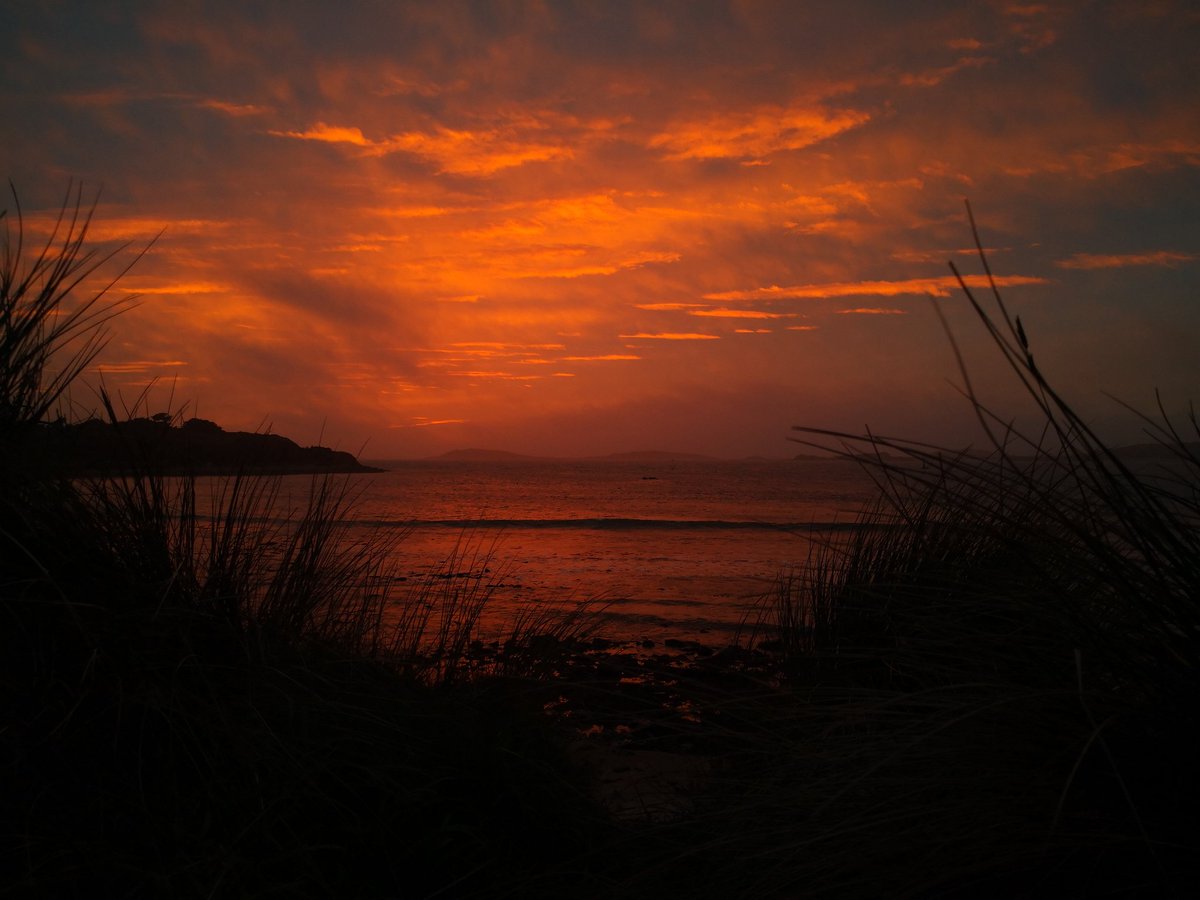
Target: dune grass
<point>987,688</point>
<point>48,334</point>
<point>230,706</point>
<point>224,694</point>
<point>995,676</point>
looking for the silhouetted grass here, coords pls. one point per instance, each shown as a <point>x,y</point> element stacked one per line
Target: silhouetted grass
<point>229,697</point>
<point>988,688</point>
<point>995,677</point>
<point>48,335</point>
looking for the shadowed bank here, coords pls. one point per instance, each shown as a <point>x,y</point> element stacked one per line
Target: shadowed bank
<point>988,687</point>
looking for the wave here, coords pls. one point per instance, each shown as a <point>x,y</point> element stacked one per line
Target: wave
<point>605,523</point>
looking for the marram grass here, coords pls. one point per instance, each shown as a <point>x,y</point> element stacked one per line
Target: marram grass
<point>988,689</point>
<point>238,702</point>
<point>996,677</point>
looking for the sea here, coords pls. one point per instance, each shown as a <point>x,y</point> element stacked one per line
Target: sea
<point>661,549</point>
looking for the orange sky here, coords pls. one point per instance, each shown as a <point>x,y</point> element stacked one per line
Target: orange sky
<point>581,228</point>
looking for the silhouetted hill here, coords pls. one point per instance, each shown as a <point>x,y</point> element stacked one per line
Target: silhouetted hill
<point>197,446</point>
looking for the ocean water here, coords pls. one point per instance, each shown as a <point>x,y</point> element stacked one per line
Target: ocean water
<point>680,550</point>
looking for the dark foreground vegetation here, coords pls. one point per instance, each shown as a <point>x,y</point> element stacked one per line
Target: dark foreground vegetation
<point>990,689</point>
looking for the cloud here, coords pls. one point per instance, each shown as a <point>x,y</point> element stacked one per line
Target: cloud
<point>1104,157</point>
<point>378,218</point>
<point>484,148</point>
<point>740,314</point>
<point>761,132</point>
<point>466,152</point>
<point>110,225</point>
<point>932,77</point>
<point>666,307</point>
<point>601,358</point>
<point>504,345</point>
<point>1032,24</point>
<point>493,374</point>
<point>555,269</point>
<point>330,134</point>
<point>233,109</point>
<point>136,366</point>
<point>180,287</point>
<point>1121,260</point>
<point>872,311</point>
<point>938,287</point>
<point>940,256</point>
<point>422,422</point>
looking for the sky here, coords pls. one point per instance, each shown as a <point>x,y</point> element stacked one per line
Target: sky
<point>579,228</point>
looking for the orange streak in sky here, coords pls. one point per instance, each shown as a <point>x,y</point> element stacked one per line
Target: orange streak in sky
<point>179,287</point>
<point>332,134</point>
<point>740,314</point>
<point>604,358</point>
<point>137,366</point>
<point>938,287</point>
<point>759,133</point>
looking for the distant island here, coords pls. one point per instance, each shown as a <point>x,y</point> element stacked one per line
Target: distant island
<point>197,446</point>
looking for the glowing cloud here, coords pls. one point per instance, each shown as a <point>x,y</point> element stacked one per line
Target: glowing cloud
<point>454,151</point>
<point>485,213</point>
<point>422,422</point>
<point>932,77</point>
<point>758,133</point>
<point>233,109</point>
<point>137,366</point>
<point>463,152</point>
<point>937,287</point>
<point>330,134</point>
<point>503,345</point>
<point>501,376</point>
<point>603,358</point>
<point>740,314</point>
<point>182,287</point>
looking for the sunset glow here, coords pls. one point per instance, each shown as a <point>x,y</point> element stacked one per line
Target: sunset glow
<point>586,228</point>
